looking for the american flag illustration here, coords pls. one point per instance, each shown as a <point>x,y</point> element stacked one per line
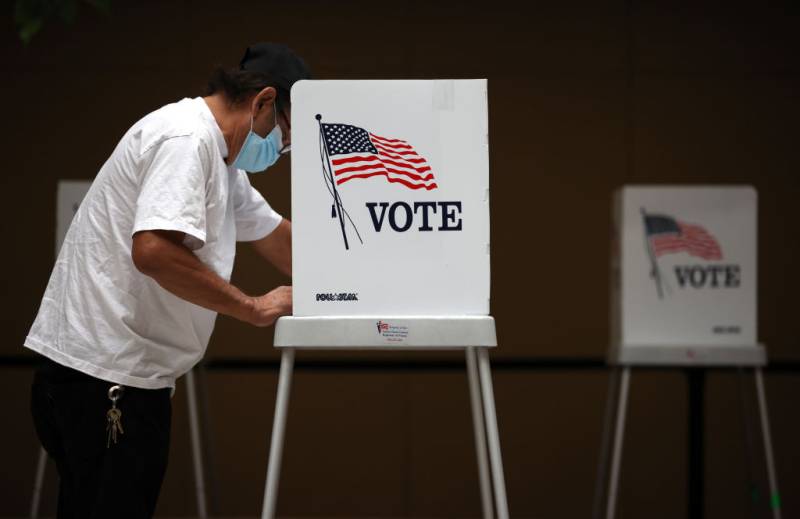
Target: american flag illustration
<point>356,153</point>
<point>668,235</point>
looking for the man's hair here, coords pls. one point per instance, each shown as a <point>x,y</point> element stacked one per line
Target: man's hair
<point>239,85</point>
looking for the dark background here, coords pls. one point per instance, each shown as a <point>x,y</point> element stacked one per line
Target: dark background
<point>583,98</point>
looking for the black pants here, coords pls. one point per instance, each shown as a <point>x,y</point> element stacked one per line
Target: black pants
<point>121,481</point>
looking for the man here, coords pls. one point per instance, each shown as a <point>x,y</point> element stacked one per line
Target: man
<point>143,272</point>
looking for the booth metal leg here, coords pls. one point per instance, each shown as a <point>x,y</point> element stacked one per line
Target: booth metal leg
<point>197,457</point>
<point>201,382</point>
<point>775,500</point>
<point>605,444</point>
<point>749,443</point>
<point>696,443</point>
<point>478,424</point>
<point>36,500</point>
<point>493,433</point>
<point>278,430</point>
<point>616,453</point>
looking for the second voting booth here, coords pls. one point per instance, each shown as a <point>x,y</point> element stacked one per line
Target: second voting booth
<point>684,294</point>
<point>390,241</point>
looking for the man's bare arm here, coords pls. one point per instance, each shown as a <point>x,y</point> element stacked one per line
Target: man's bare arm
<point>162,256</point>
<point>276,247</point>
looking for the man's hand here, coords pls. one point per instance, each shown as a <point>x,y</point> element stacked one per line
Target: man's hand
<point>267,308</point>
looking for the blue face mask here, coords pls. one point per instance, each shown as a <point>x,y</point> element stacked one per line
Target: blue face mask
<point>258,153</point>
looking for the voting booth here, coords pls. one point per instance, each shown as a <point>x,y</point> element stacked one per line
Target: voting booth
<point>390,238</point>
<point>684,277</point>
<point>683,294</point>
<point>390,198</point>
<point>69,195</point>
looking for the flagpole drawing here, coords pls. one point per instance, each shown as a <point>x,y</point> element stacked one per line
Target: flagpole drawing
<point>337,202</point>
<point>655,273</point>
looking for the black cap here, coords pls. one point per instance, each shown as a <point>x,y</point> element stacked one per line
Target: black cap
<point>277,61</point>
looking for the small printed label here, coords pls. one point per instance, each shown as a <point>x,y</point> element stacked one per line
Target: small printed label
<point>392,332</point>
<point>339,296</point>
<point>727,330</point>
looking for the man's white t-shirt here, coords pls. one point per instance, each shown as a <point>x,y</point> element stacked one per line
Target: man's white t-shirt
<point>99,314</point>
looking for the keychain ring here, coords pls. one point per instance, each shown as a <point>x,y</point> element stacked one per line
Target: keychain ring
<point>115,392</point>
